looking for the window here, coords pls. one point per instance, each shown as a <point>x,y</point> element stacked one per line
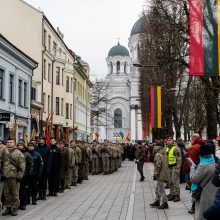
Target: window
<point>44,68</point>
<point>125,68</point>
<point>71,85</point>
<point>25,94</point>
<point>67,84</point>
<point>62,76</point>
<point>49,42</point>
<point>48,104</point>
<point>118,118</point>
<point>57,105</point>
<point>54,48</point>
<point>49,72</point>
<point>11,88</point>
<point>20,92</point>
<point>67,110</point>
<point>45,38</point>
<point>1,83</point>
<point>71,106</point>
<point>62,106</point>
<point>58,75</point>
<point>75,83</point>
<point>33,93</point>
<point>118,67</point>
<point>44,102</point>
<point>111,68</point>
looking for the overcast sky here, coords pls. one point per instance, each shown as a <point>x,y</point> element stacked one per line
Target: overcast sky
<point>92,27</point>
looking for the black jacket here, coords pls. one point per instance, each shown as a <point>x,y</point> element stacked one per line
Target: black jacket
<point>37,164</point>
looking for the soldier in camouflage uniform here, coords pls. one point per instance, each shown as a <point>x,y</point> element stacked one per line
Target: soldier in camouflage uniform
<point>78,155</point>
<point>4,160</point>
<point>174,160</point>
<point>72,162</point>
<point>95,158</point>
<point>105,154</point>
<point>13,173</point>
<point>140,159</point>
<point>160,175</point>
<point>89,159</point>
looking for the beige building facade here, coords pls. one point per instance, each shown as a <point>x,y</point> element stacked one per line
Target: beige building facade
<point>53,92</point>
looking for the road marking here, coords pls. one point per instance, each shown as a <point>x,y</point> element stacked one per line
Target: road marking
<point>131,200</point>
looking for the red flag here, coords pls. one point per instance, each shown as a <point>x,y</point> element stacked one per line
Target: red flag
<point>67,136</point>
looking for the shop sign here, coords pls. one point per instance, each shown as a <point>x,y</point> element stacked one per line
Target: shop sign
<point>4,116</point>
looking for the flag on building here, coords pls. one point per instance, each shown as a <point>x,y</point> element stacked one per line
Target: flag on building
<point>155,104</point>
<point>67,136</point>
<point>204,28</point>
<point>58,133</point>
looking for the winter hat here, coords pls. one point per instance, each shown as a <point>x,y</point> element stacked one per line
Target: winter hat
<point>207,149</point>
<point>21,142</point>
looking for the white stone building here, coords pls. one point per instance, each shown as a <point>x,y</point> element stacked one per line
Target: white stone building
<point>123,113</point>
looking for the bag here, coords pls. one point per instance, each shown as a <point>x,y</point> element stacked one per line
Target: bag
<point>196,194</point>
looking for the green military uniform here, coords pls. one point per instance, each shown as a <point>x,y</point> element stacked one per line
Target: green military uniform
<point>95,159</point>
<point>105,154</point>
<point>160,173</point>
<point>174,160</point>
<point>4,160</point>
<point>13,173</point>
<point>89,159</point>
<point>78,156</point>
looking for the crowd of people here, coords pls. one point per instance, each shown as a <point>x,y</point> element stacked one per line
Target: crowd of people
<point>196,165</point>
<point>33,172</point>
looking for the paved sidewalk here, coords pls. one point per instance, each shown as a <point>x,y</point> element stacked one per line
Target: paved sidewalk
<point>119,196</point>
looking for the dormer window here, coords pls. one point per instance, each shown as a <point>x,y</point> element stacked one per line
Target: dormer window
<point>118,67</point>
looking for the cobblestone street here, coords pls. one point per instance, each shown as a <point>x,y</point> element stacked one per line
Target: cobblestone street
<point>117,196</point>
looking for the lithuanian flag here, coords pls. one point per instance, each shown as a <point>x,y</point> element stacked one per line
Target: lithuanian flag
<point>204,27</point>
<point>155,99</point>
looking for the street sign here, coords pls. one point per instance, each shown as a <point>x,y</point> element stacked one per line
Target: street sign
<point>4,116</point>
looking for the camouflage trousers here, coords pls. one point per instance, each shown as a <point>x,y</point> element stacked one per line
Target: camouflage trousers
<point>160,192</point>
<point>76,174</point>
<point>95,165</point>
<point>69,177</point>
<point>87,170</point>
<point>174,181</point>
<point>105,164</point>
<point>1,191</point>
<point>11,193</point>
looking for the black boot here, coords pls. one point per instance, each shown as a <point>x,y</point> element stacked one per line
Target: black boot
<point>192,210</point>
<point>163,206</point>
<point>14,212</point>
<point>155,204</point>
<point>7,212</point>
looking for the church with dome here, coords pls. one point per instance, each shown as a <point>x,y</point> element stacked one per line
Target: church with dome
<point>123,105</point>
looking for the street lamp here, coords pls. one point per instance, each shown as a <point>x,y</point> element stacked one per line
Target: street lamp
<point>141,65</point>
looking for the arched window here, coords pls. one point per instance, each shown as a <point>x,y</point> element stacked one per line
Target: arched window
<point>111,68</point>
<point>125,68</point>
<point>118,67</point>
<point>118,118</point>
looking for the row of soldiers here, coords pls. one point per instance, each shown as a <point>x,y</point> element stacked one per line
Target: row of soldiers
<point>28,173</point>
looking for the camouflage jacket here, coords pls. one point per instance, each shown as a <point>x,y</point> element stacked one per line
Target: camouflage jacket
<point>78,154</point>
<point>89,153</point>
<point>4,159</point>
<point>160,165</point>
<point>16,165</point>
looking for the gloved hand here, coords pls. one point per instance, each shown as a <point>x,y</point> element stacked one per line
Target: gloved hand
<point>154,178</point>
<point>18,179</point>
<point>2,178</point>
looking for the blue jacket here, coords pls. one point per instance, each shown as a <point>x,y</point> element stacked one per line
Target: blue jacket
<point>213,212</point>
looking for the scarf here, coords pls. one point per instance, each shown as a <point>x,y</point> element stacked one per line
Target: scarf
<point>203,160</point>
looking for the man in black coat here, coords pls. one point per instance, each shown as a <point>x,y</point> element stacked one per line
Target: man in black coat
<point>55,168</point>
<point>45,153</point>
<point>36,173</point>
